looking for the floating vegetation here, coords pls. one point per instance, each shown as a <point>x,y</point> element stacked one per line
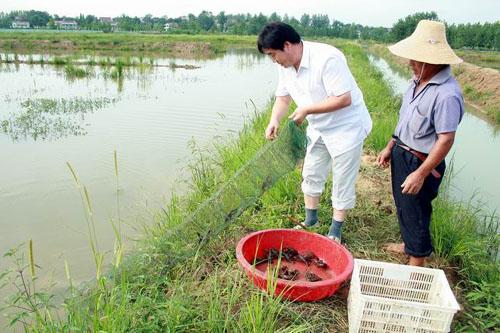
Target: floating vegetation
<point>118,72</point>
<point>59,61</point>
<point>46,118</point>
<point>91,62</point>
<point>72,71</point>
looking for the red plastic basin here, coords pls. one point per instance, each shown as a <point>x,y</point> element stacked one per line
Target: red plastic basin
<point>339,262</point>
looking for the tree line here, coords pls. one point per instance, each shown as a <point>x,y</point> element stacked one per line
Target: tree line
<point>482,36</point>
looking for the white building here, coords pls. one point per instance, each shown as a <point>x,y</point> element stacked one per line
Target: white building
<point>67,25</point>
<point>110,21</point>
<point>170,25</point>
<point>20,25</point>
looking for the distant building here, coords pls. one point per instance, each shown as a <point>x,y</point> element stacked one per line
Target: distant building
<point>106,20</point>
<point>17,24</point>
<point>170,25</point>
<point>110,21</point>
<point>67,24</point>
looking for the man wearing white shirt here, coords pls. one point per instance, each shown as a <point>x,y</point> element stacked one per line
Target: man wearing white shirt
<point>316,77</point>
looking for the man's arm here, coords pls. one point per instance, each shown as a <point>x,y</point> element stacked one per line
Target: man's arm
<point>330,104</point>
<point>415,180</point>
<point>280,109</point>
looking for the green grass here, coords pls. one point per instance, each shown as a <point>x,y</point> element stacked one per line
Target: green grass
<point>72,71</point>
<point>482,97</point>
<point>481,58</point>
<point>209,293</point>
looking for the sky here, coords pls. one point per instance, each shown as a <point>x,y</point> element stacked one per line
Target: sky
<point>366,12</point>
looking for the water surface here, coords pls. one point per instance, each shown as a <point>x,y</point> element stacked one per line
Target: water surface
<point>149,117</point>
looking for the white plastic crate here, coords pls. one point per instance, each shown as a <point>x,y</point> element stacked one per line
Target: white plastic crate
<point>387,297</point>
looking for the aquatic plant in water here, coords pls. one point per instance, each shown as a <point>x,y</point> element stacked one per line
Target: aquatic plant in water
<point>47,118</point>
<point>72,71</point>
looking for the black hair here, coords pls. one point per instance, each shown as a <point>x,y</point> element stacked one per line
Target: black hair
<point>275,34</point>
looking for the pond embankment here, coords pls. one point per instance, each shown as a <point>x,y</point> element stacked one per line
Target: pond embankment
<point>186,46</point>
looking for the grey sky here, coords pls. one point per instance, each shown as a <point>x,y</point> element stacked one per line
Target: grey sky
<point>366,12</point>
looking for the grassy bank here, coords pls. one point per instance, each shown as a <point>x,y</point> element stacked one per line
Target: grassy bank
<point>480,86</point>
<point>209,293</point>
<point>166,44</point>
<point>489,59</point>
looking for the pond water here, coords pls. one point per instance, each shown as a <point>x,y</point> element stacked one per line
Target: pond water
<point>149,117</point>
<point>475,154</point>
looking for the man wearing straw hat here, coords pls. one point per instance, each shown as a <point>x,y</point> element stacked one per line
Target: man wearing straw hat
<point>316,77</point>
<point>431,110</point>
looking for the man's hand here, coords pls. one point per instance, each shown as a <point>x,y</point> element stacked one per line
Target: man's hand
<point>298,115</point>
<point>413,183</point>
<point>272,129</point>
<point>384,158</point>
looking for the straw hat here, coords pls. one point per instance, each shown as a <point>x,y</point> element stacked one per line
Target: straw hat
<point>427,44</point>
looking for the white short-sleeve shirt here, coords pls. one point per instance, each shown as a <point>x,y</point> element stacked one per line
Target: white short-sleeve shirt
<point>323,72</point>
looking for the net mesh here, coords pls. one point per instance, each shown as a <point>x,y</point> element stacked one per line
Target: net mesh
<point>275,159</point>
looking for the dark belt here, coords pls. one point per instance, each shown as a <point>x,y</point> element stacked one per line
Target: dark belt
<point>417,154</point>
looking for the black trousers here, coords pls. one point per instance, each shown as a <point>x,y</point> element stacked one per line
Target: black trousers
<point>414,211</point>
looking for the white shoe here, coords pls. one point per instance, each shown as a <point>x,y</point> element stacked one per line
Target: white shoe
<point>335,239</point>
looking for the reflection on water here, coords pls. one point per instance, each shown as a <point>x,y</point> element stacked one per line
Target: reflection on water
<point>148,116</point>
<point>475,156</point>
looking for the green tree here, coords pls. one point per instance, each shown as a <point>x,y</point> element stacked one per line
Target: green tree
<point>206,20</point>
<point>305,21</point>
<point>320,25</point>
<point>404,27</point>
<point>38,19</point>
<point>274,17</point>
<point>221,21</point>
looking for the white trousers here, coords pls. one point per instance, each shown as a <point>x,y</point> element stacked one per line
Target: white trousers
<point>345,169</point>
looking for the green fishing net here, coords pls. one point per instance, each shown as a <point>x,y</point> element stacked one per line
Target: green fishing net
<point>272,161</point>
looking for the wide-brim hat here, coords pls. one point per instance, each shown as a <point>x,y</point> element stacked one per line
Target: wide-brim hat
<point>427,44</point>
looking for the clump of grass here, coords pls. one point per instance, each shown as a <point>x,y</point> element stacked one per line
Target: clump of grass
<point>474,94</point>
<point>494,113</point>
<point>91,61</point>
<point>483,311</point>
<point>458,70</point>
<point>103,62</point>
<point>463,237</point>
<point>72,71</point>
<point>8,60</point>
<point>59,61</point>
